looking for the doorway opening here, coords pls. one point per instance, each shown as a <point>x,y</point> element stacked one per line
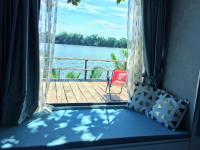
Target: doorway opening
<point>89,44</point>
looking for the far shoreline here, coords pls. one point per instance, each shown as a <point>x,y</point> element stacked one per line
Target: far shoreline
<point>90,46</point>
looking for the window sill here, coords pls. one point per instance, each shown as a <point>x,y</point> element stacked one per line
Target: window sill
<point>83,126</point>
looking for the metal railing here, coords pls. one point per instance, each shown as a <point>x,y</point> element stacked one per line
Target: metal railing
<point>85,68</point>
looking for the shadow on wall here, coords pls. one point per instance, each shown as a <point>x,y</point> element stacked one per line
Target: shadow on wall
<point>60,127</point>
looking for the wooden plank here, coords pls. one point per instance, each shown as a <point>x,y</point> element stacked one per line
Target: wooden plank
<point>90,87</point>
<point>64,100</point>
<point>85,92</point>
<point>61,98</point>
<point>98,92</point>
<point>77,92</point>
<point>115,89</point>
<point>113,96</point>
<point>82,92</point>
<point>102,92</point>
<point>70,97</point>
<point>102,86</point>
<point>58,92</point>
<point>51,96</point>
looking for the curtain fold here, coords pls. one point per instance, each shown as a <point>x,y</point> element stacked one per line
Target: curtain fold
<point>154,22</point>
<point>135,65</point>
<point>47,25</point>
<point>19,60</point>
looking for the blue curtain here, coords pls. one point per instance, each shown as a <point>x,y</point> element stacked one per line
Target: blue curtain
<point>154,25</point>
<point>19,60</point>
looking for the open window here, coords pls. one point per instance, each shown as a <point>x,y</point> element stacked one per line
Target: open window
<point>81,45</point>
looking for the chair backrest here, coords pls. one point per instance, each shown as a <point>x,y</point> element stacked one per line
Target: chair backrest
<point>119,75</point>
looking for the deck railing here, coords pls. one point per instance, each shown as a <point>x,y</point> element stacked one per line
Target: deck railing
<point>85,68</point>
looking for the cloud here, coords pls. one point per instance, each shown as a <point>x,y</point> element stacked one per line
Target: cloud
<point>84,8</point>
<point>121,15</point>
<point>103,8</point>
<point>120,12</point>
<point>120,9</point>
<point>107,24</point>
<point>104,17</point>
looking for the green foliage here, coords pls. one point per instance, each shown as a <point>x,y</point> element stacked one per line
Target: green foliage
<point>120,65</point>
<point>72,75</point>
<point>124,53</point>
<point>54,74</point>
<point>91,40</point>
<point>119,1</point>
<point>76,2</point>
<point>96,73</point>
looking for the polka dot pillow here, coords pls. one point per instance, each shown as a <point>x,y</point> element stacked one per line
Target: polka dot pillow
<point>144,97</point>
<point>169,110</point>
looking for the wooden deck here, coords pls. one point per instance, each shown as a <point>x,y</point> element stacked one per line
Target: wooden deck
<point>83,92</point>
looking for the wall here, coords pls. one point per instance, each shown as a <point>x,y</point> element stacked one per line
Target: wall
<point>183,51</point>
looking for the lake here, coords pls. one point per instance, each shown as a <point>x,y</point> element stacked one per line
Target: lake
<point>84,52</point>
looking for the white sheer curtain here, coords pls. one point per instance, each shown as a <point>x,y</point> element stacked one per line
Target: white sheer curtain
<point>47,26</point>
<point>135,65</point>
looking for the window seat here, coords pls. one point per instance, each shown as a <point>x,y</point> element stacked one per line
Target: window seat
<point>88,126</point>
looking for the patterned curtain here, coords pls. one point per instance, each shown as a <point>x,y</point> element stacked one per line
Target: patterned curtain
<point>135,65</point>
<point>47,26</point>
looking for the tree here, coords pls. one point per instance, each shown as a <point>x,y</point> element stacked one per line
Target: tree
<point>120,65</point>
<point>73,2</point>
<point>91,40</point>
<point>76,2</point>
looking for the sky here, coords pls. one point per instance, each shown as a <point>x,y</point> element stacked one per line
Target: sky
<point>103,17</point>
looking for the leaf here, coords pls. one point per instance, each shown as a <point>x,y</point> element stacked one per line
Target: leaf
<point>74,2</point>
<point>119,1</point>
<point>120,65</point>
<point>54,74</point>
<point>72,75</point>
<point>96,73</point>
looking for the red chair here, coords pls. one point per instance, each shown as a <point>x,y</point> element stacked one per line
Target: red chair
<point>118,79</point>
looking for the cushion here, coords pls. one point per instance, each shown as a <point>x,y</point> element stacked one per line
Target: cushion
<point>169,110</point>
<point>144,97</point>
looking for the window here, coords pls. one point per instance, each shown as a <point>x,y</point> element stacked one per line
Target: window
<point>82,45</point>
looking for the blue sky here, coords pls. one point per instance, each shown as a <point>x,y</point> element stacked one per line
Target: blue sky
<point>102,17</point>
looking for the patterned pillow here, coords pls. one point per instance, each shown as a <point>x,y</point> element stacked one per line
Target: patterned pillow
<point>144,98</point>
<point>169,110</point>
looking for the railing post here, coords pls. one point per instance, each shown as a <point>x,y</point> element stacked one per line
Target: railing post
<point>125,65</point>
<point>86,69</point>
<point>59,74</point>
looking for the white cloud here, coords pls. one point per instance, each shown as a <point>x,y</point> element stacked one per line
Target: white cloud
<point>120,9</point>
<point>120,12</point>
<point>121,15</point>
<point>88,8</point>
<point>106,24</point>
<point>85,8</point>
<point>91,9</point>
